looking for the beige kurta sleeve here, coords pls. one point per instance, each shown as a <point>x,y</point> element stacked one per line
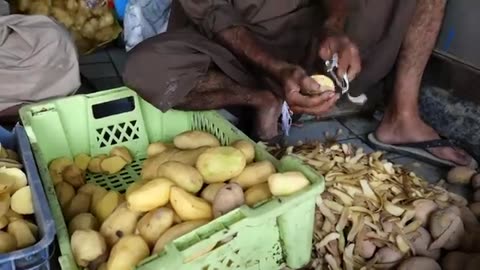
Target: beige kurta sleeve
<point>212,16</point>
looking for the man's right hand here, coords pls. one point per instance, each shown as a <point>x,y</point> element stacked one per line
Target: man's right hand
<point>294,79</point>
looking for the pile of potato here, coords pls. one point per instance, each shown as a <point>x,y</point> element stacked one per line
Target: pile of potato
<point>182,186</point>
<point>376,215</point>
<point>91,27</point>
<point>17,227</point>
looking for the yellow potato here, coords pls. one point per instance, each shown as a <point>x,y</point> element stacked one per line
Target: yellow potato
<point>257,193</point>
<point>326,84</point>
<point>65,193</point>
<point>460,175</point>
<point>88,248</point>
<point>156,148</point>
<point>283,184</point>
<point>4,203</point>
<point>209,192</point>
<point>82,160</point>
<point>89,188</point>
<point>33,228</point>
<point>120,223</point>
<point>150,166</point>
<point>83,221</point>
<point>73,175</point>
<point>220,164</point>
<point>95,162</point>
<point>175,232</point>
<point>227,199</point>
<point>195,139</point>
<point>255,173</point>
<point>123,152</point>
<point>185,176</point>
<point>22,233</point>
<point>106,205</point>
<point>7,184</point>
<point>134,186</point>
<point>56,168</point>
<point>12,154</point>
<point>8,243</point>
<point>188,157</point>
<point>246,148</point>
<point>127,253</point>
<point>12,216</point>
<point>79,204</point>
<point>176,218</point>
<point>17,175</point>
<point>153,194</point>
<point>154,224</point>
<point>97,195</point>
<point>21,201</point>
<point>113,165</point>
<point>3,222</point>
<point>188,206</point>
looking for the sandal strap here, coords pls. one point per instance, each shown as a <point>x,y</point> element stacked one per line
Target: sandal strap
<point>428,144</point>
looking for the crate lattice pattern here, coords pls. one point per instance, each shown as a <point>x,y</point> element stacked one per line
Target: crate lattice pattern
<point>118,133</point>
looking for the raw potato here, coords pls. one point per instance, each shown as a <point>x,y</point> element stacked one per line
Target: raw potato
<point>73,175</point>
<point>475,208</point>
<point>82,160</point>
<point>4,203</point>
<point>21,201</point>
<point>154,224</point>
<point>460,175</point>
<point>94,165</point>
<point>8,243</point>
<point>65,193</point>
<point>155,148</point>
<point>423,209</point>
<point>56,168</point>
<point>106,205</point>
<point>423,263</point>
<point>209,192</point>
<point>455,260</point>
<point>127,253</point>
<point>17,175</point>
<point>120,223</point>
<point>88,188</point>
<point>195,139</point>
<point>150,166</point>
<point>97,195</point>
<point>153,194</point>
<point>3,222</point>
<point>476,196</point>
<point>185,176</point>
<point>134,186</point>
<point>228,198</point>
<point>420,241</point>
<point>247,149</point>
<point>283,184</point>
<point>12,216</point>
<point>123,152</point>
<point>326,84</point>
<point>189,207</point>
<point>476,181</point>
<point>88,248</point>
<point>83,221</point>
<point>446,227</point>
<point>7,184</point>
<point>79,204</point>
<point>220,164</point>
<point>390,256</point>
<point>12,155</point>
<point>257,193</point>
<point>255,173</point>
<point>113,165</point>
<point>175,232</point>
<point>33,228</point>
<point>22,233</point>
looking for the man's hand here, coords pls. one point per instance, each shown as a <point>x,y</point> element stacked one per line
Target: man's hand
<point>294,80</point>
<point>348,56</point>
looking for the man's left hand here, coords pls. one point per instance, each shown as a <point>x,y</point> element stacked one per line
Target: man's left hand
<point>348,55</point>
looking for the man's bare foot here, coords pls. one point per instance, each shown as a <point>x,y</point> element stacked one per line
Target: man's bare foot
<point>266,122</point>
<point>414,129</point>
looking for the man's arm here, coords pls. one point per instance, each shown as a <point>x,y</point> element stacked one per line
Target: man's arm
<point>337,11</point>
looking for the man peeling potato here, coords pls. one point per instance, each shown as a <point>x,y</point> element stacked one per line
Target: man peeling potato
<point>255,54</point>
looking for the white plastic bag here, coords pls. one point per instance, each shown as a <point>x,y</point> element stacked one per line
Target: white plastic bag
<point>144,19</point>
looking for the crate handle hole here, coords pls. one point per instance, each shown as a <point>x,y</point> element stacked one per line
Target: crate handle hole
<point>113,107</point>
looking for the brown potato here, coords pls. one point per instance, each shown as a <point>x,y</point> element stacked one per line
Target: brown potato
<point>82,160</point>
<point>83,221</point>
<point>79,204</point>
<point>94,164</point>
<point>113,164</point>
<point>8,243</point>
<point>423,263</point>
<point>460,175</point>
<point>123,152</point>
<point>22,233</point>
<point>73,175</point>
<point>228,198</point>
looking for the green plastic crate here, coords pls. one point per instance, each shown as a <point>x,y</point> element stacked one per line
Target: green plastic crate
<point>270,235</point>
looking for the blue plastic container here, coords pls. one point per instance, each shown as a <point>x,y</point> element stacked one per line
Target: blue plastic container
<point>35,257</point>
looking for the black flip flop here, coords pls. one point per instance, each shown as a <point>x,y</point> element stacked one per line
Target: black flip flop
<point>419,150</point>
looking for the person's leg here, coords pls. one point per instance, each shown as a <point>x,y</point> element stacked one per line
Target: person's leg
<point>215,91</point>
<point>402,122</point>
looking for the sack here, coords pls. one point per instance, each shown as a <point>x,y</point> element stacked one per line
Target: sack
<point>144,19</point>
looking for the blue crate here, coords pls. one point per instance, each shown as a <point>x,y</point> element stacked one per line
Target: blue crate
<point>35,257</point>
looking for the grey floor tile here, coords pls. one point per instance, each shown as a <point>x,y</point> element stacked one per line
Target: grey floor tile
<point>100,56</point>
<point>359,125</point>
<point>118,56</point>
<point>107,83</point>
<point>317,131</point>
<point>427,171</point>
<point>97,71</point>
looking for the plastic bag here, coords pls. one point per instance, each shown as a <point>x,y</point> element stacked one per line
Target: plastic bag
<point>144,19</point>
<point>91,22</point>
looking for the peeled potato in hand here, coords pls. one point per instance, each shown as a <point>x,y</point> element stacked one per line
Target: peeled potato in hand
<point>326,84</point>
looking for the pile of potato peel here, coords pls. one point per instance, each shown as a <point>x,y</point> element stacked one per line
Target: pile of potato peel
<point>377,215</point>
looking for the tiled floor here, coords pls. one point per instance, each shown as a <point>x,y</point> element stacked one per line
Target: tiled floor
<point>104,68</point>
